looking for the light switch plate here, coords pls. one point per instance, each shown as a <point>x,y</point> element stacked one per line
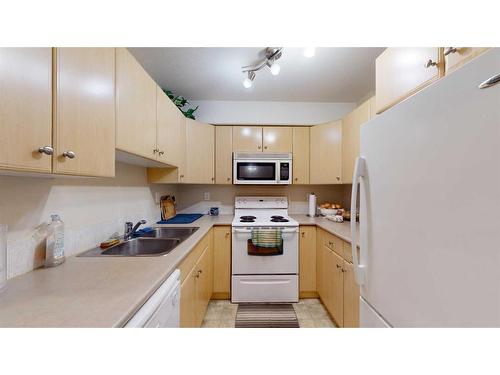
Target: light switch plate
<point>206,196</point>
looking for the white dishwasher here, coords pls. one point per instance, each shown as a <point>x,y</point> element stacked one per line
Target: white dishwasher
<point>161,310</point>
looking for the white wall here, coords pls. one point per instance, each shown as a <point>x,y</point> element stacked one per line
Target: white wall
<point>269,113</point>
<point>91,208</point>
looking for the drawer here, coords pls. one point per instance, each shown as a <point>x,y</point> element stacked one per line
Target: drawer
<point>333,243</point>
<point>268,288</point>
<point>190,261</point>
<point>348,251</point>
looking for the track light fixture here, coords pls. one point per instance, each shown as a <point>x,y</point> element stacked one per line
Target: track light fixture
<point>271,55</point>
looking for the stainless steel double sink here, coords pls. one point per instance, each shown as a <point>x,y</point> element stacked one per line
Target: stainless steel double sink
<point>160,241</point>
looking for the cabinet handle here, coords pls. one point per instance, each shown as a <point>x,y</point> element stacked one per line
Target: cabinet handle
<point>213,178</point>
<point>47,150</point>
<point>161,153</point>
<point>199,273</point>
<point>227,234</point>
<point>156,150</point>
<point>69,154</point>
<point>181,176</point>
<point>303,234</point>
<point>229,178</point>
<point>430,63</point>
<point>265,147</point>
<point>338,266</point>
<point>338,178</point>
<point>296,179</point>
<point>450,50</point>
<point>259,147</point>
<point>331,243</point>
<point>343,270</point>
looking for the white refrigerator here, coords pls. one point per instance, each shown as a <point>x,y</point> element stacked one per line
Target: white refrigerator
<point>429,202</point>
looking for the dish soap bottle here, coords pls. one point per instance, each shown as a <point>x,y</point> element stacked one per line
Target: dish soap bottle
<point>54,250</point>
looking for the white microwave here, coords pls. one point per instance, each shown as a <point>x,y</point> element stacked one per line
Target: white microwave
<point>262,168</point>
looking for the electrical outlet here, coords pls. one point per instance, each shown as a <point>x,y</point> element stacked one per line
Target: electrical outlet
<point>206,196</point>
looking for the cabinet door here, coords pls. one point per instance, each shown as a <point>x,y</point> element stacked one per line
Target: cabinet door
<point>351,297</point>
<point>455,57</point>
<point>307,268</point>
<point>135,107</point>
<point>277,139</point>
<point>401,72</point>
<point>222,262</point>
<point>300,155</point>
<point>84,126</point>
<point>200,139</point>
<point>169,125</point>
<point>326,153</point>
<point>351,126</point>
<point>204,283</point>
<point>320,270</point>
<point>25,108</point>
<point>328,270</point>
<point>337,284</point>
<point>188,317</point>
<point>247,138</point>
<point>223,155</point>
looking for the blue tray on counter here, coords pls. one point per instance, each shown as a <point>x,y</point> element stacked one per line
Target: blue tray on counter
<point>181,219</point>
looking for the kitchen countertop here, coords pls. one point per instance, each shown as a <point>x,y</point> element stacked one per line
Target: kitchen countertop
<point>106,292</point>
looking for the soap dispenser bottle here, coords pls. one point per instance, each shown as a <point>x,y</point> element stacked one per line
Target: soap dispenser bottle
<point>54,250</point>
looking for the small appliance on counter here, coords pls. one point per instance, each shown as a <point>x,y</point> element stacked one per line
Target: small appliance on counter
<point>3,257</point>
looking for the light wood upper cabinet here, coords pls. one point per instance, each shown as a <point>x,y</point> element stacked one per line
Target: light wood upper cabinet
<point>169,125</point>
<point>307,264</point>
<point>200,140</point>
<point>222,262</point>
<point>223,155</point>
<point>135,107</point>
<point>300,155</point>
<point>247,138</point>
<point>351,297</point>
<point>326,153</point>
<point>277,139</point>
<point>351,126</point>
<point>455,57</point>
<point>25,108</point>
<point>401,72</point>
<point>84,122</point>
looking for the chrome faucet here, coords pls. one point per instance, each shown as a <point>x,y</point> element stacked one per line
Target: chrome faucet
<point>130,229</point>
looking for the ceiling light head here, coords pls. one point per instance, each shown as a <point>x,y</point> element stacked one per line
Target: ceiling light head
<point>309,51</point>
<point>275,69</point>
<point>248,81</point>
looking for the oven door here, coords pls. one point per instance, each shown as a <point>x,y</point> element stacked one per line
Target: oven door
<point>255,171</point>
<point>246,262</point>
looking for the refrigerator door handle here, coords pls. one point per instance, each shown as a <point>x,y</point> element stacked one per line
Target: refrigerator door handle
<point>359,174</point>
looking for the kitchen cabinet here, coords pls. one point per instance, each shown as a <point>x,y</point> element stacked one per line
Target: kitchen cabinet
<point>247,139</point>
<point>337,285</point>
<point>326,153</point>
<point>196,282</point>
<point>26,109</point>
<point>401,72</point>
<point>351,129</point>
<point>200,152</point>
<point>351,297</point>
<point>222,262</point>
<point>300,155</point>
<point>135,107</point>
<point>223,155</point>
<point>84,121</point>
<point>170,123</point>
<point>277,139</point>
<point>455,57</point>
<point>307,262</point>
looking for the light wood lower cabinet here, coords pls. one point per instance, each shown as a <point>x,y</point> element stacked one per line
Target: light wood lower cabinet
<point>223,155</point>
<point>326,153</point>
<point>84,122</point>
<point>300,164</point>
<point>222,262</point>
<point>196,282</point>
<point>307,263</point>
<point>336,285</point>
<point>25,109</point>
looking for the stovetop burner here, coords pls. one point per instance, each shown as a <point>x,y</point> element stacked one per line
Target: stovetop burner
<point>277,217</point>
<point>280,220</point>
<point>247,219</point>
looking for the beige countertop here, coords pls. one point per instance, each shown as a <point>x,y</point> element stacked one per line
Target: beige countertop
<point>106,292</point>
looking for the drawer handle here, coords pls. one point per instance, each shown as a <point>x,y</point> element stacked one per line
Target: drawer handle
<point>161,153</point>
<point>69,154</point>
<point>430,63</point>
<point>47,150</point>
<point>450,50</point>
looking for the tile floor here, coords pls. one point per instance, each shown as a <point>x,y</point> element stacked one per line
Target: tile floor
<point>310,313</point>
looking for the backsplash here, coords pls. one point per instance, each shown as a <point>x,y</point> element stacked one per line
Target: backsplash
<point>190,198</point>
<point>91,208</point>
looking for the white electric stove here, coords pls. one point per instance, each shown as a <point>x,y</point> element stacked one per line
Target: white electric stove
<point>264,277</point>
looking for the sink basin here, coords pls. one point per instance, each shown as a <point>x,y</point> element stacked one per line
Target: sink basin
<point>170,232</point>
<point>143,247</point>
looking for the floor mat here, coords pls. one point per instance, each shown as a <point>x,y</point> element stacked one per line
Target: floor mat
<point>257,315</point>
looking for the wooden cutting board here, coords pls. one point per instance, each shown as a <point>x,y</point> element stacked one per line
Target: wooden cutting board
<point>167,205</point>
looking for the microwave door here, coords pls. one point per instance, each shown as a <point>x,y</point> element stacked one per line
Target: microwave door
<point>255,172</point>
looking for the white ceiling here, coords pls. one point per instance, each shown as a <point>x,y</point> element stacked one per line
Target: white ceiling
<point>332,75</point>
